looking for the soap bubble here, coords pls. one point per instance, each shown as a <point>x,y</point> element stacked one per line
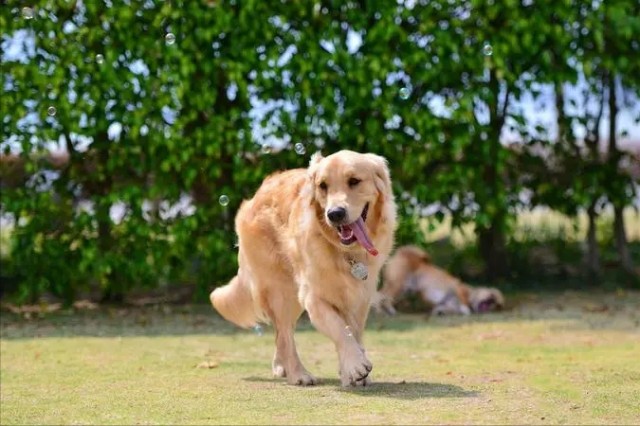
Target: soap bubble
<point>300,149</point>
<point>487,50</point>
<point>258,330</point>
<point>405,93</point>
<point>51,111</point>
<point>99,59</point>
<point>27,13</point>
<point>170,38</point>
<point>223,200</point>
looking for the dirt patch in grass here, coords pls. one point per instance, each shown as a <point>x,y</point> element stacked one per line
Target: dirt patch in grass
<point>565,358</point>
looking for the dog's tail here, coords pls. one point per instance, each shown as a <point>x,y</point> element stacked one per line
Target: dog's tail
<point>235,302</point>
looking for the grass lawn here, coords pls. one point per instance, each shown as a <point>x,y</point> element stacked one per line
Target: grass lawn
<point>565,358</point>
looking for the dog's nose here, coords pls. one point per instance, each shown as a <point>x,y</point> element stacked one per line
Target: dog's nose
<point>337,214</point>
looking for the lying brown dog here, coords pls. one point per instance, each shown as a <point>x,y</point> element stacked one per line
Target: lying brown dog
<point>410,270</point>
<point>314,239</point>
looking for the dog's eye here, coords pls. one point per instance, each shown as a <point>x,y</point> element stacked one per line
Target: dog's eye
<point>323,186</point>
<point>354,181</point>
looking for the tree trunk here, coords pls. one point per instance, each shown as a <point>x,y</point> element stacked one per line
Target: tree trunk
<point>620,237</point>
<point>492,240</point>
<point>561,118</point>
<point>592,140</point>
<point>114,290</point>
<point>493,250</point>
<point>619,231</point>
<point>593,253</point>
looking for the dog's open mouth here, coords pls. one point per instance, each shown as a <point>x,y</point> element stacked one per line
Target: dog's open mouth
<point>357,231</point>
<point>487,305</point>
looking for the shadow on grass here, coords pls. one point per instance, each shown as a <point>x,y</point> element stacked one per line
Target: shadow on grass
<point>398,390</point>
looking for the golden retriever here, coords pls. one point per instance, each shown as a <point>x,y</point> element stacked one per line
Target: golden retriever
<point>314,239</point>
<point>410,270</point>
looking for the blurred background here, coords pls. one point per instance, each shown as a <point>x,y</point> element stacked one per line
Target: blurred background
<point>132,130</point>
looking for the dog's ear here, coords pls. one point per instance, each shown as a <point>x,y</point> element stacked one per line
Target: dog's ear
<point>315,159</point>
<point>310,187</point>
<point>382,177</point>
<point>498,297</point>
<point>313,165</point>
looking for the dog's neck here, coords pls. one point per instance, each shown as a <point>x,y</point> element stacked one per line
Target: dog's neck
<point>357,255</point>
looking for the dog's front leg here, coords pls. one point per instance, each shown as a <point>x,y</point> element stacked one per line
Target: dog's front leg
<point>354,365</point>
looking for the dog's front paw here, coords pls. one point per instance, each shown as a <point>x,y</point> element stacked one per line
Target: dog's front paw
<point>302,378</point>
<point>366,382</point>
<point>355,369</point>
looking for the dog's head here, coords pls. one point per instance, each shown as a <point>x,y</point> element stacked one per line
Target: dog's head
<point>485,299</point>
<point>350,189</point>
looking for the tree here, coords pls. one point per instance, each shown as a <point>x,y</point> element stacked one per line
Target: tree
<point>622,23</point>
<point>149,103</point>
<point>194,103</point>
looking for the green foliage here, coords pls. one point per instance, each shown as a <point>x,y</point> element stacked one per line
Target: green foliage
<point>430,85</point>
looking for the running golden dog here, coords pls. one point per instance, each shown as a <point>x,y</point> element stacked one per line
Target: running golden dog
<point>410,270</point>
<point>314,239</point>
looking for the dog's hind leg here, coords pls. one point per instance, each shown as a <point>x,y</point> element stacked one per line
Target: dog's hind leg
<point>284,314</point>
<point>286,361</point>
<point>275,295</point>
<point>273,288</point>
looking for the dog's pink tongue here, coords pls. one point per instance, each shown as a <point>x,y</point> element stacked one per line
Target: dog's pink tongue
<point>360,233</point>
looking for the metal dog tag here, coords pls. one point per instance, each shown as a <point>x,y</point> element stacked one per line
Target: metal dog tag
<point>359,270</point>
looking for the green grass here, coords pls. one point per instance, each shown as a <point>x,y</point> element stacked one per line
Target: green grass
<point>566,358</point>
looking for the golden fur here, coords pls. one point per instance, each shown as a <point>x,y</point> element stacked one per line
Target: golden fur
<point>410,270</point>
<point>291,259</point>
